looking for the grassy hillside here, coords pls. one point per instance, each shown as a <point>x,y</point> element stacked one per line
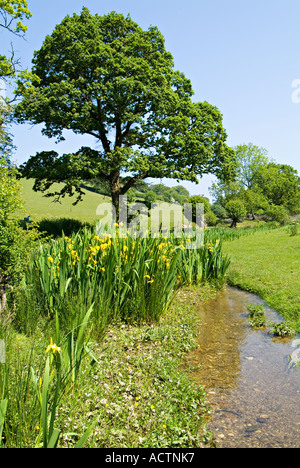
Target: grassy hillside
<point>268,264</point>
<point>39,207</point>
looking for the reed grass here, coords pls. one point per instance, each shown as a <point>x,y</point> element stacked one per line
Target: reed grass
<point>73,290</point>
<point>123,278</point>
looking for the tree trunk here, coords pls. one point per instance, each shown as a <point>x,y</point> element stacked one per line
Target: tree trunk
<point>115,190</point>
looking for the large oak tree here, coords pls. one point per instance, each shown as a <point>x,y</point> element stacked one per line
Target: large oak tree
<point>105,76</point>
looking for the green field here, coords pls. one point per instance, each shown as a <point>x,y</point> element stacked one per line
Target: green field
<point>39,207</point>
<point>268,264</point>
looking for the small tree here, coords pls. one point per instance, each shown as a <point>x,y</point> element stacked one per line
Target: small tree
<point>254,201</point>
<point>150,197</point>
<point>250,160</point>
<point>236,210</point>
<point>196,199</point>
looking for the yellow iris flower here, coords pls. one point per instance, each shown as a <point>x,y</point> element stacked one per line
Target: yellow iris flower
<point>52,347</point>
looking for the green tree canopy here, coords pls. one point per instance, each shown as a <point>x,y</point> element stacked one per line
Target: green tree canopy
<point>250,158</point>
<point>195,200</point>
<point>260,183</point>
<point>6,143</point>
<point>12,16</point>
<point>198,199</point>
<point>10,198</point>
<point>236,210</point>
<point>280,184</point>
<point>105,76</point>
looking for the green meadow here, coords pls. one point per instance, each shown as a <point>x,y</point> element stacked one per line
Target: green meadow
<point>38,207</point>
<point>267,263</point>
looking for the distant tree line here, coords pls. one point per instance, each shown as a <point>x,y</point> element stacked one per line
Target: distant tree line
<point>261,187</point>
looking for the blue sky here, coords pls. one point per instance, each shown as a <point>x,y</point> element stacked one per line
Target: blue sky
<point>241,56</point>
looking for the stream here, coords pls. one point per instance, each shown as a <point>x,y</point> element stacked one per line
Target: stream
<point>252,390</point>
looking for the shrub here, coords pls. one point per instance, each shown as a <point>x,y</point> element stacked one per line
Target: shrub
<point>15,244</point>
<point>56,227</point>
<point>150,197</point>
<point>295,230</point>
<point>10,198</point>
<point>210,218</point>
<point>278,214</point>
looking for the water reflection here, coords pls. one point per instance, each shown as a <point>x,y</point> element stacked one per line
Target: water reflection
<point>253,392</point>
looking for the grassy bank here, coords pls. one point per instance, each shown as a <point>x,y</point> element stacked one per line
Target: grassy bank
<point>268,264</point>
<point>140,393</point>
<point>134,387</point>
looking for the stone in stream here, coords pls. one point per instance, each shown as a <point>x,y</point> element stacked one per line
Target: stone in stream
<point>253,428</point>
<point>295,357</point>
<point>296,343</point>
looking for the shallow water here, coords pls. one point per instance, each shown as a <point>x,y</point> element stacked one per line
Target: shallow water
<point>252,391</point>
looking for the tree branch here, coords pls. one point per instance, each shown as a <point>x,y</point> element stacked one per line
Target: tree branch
<point>104,140</point>
<point>119,138</point>
<point>7,23</point>
<point>132,181</point>
<point>96,135</point>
